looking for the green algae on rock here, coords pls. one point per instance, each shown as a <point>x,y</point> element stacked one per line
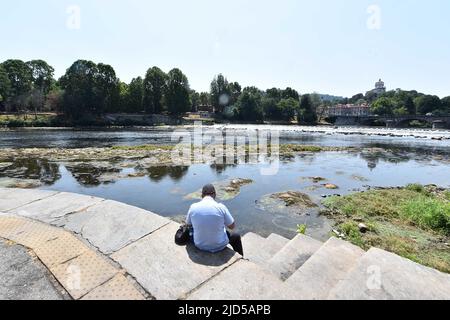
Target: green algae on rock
<point>292,202</point>
<point>226,190</point>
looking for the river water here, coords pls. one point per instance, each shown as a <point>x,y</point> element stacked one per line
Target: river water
<point>396,158</point>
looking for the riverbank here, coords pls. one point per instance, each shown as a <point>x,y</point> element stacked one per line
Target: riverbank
<point>413,222</point>
<point>68,231</point>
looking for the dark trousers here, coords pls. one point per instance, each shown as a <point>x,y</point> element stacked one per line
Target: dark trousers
<point>236,242</point>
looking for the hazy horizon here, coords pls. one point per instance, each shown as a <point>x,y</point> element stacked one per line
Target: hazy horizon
<point>323,46</point>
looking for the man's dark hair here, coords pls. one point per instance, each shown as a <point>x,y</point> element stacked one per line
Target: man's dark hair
<point>209,190</point>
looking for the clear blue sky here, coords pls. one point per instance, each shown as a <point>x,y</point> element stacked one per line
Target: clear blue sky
<point>324,46</point>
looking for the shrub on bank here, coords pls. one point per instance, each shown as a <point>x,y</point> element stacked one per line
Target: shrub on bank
<point>426,212</point>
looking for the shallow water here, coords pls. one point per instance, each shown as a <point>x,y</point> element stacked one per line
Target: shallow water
<point>395,162</point>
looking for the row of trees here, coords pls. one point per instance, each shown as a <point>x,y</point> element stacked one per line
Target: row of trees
<point>26,85</point>
<point>89,89</point>
<point>401,102</point>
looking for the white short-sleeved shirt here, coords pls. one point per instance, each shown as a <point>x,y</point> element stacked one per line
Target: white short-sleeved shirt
<point>209,220</point>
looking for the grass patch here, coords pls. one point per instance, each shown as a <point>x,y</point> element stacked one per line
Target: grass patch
<point>427,212</point>
<point>447,195</point>
<point>351,231</point>
<point>413,222</point>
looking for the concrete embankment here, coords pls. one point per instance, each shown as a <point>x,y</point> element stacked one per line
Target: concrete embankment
<point>102,249</point>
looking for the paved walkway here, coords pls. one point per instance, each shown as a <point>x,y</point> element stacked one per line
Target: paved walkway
<point>101,249</point>
<point>23,277</point>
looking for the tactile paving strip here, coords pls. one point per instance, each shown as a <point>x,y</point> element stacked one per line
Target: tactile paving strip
<point>78,268</point>
<point>10,226</point>
<point>60,250</point>
<point>84,273</point>
<point>118,288</point>
<point>34,234</point>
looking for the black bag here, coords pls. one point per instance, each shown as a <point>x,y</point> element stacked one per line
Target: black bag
<point>182,237</point>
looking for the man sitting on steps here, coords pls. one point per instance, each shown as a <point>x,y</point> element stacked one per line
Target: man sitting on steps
<point>209,220</point>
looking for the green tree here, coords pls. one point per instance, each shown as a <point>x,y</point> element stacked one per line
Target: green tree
<point>271,108</point>
<point>400,111</point>
<point>274,93</point>
<point>177,93</point>
<point>155,83</point>
<point>235,90</point>
<point>220,93</point>
<point>42,75</point>
<point>20,82</point>
<point>5,85</point>
<point>371,96</point>
<point>307,113</point>
<point>445,102</point>
<point>124,98</point>
<point>54,100</point>
<point>42,78</point>
<point>289,108</point>
<point>249,106</point>
<point>194,96</point>
<point>315,100</point>
<point>427,103</point>
<point>106,89</point>
<point>383,106</point>
<point>290,93</point>
<point>356,97</point>
<point>135,95</point>
<point>81,94</point>
<point>405,101</point>
<point>205,99</point>
<point>409,105</point>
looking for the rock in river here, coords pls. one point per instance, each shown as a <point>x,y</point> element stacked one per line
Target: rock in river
<point>331,186</point>
<point>290,201</point>
<point>226,190</point>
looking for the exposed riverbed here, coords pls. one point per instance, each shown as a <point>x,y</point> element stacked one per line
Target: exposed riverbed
<point>85,162</point>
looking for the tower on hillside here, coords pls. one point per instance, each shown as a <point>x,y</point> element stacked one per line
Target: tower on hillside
<point>380,88</point>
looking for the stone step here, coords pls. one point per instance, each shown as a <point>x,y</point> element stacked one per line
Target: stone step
<point>168,271</point>
<point>381,275</point>
<point>253,246</point>
<point>57,206</point>
<point>244,280</point>
<point>277,242</point>
<point>330,264</point>
<point>14,198</point>
<point>292,256</point>
<point>111,225</point>
<point>260,250</point>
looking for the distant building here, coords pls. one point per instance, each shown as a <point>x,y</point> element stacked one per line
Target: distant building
<point>348,110</point>
<point>206,108</point>
<point>202,112</point>
<point>380,88</point>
